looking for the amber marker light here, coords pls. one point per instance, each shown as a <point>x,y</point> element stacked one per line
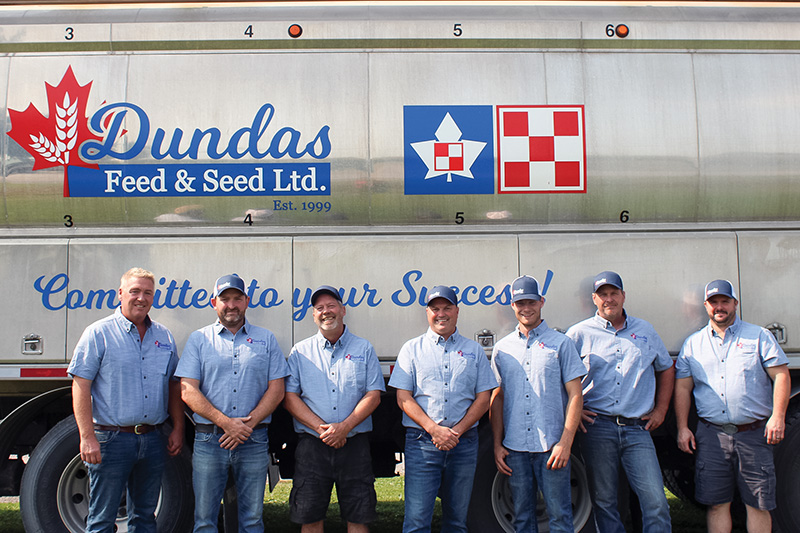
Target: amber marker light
<point>622,31</point>
<point>295,31</point>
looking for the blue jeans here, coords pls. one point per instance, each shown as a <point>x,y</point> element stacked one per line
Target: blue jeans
<point>210,464</point>
<point>604,447</point>
<point>428,469</point>
<point>529,475</point>
<point>126,458</point>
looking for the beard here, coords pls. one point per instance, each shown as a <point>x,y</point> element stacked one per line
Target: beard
<point>231,319</point>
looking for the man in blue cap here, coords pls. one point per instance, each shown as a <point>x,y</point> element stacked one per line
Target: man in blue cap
<point>443,383</point>
<point>626,394</point>
<point>741,386</point>
<point>536,411</point>
<point>232,378</point>
<point>334,386</point>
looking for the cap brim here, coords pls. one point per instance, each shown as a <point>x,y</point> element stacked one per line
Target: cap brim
<point>526,297</point>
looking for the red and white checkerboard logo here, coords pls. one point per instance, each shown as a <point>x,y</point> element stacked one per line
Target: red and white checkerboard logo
<point>541,149</point>
<point>448,156</point>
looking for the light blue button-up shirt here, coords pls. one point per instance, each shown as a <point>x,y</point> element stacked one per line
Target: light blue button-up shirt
<point>532,371</point>
<point>234,371</point>
<point>130,376</point>
<point>443,376</point>
<point>730,383</point>
<point>332,378</point>
<point>621,365</point>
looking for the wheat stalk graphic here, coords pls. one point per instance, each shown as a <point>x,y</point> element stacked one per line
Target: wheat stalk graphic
<point>66,134</point>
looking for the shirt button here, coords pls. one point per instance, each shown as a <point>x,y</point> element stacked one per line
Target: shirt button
<point>234,390</point>
<point>445,418</point>
<point>334,408</point>
<point>445,401</point>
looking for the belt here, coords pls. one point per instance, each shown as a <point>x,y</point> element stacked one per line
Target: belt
<point>139,429</point>
<point>733,429</point>
<point>211,428</point>
<point>623,421</point>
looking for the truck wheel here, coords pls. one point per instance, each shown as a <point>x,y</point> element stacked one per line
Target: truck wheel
<point>787,467</point>
<point>681,483</point>
<point>491,509</point>
<point>54,496</point>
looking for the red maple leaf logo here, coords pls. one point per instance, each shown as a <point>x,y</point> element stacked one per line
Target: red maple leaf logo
<point>55,140</point>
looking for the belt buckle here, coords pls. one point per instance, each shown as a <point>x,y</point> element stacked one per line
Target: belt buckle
<point>730,429</point>
<point>138,429</point>
<point>621,424</point>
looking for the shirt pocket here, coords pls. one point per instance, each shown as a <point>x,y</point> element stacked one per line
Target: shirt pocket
<point>253,352</point>
<point>165,364</point>
<point>748,366</point>
<point>354,374</point>
<point>465,371</point>
<point>647,355</point>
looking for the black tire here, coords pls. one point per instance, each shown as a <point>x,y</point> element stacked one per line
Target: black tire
<point>681,484</point>
<point>787,467</point>
<point>491,507</point>
<point>55,488</point>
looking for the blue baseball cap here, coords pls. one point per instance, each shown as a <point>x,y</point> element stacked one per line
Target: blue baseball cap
<point>722,287</point>
<point>324,289</point>
<point>441,291</point>
<point>607,277</point>
<point>231,281</point>
<point>525,288</point>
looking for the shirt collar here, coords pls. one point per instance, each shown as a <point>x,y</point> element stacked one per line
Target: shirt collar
<point>537,331</point>
<point>436,338</point>
<point>126,324</point>
<point>219,328</point>
<point>325,343</point>
<point>606,324</point>
<point>732,329</point>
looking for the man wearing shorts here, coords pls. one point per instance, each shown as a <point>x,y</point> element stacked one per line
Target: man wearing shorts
<point>741,384</point>
<point>335,383</point>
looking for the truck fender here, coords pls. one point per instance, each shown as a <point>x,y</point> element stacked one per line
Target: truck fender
<point>12,426</point>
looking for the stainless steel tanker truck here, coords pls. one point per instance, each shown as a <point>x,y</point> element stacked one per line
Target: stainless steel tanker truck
<point>384,148</point>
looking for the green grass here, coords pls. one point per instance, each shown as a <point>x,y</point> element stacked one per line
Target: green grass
<point>686,518</point>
